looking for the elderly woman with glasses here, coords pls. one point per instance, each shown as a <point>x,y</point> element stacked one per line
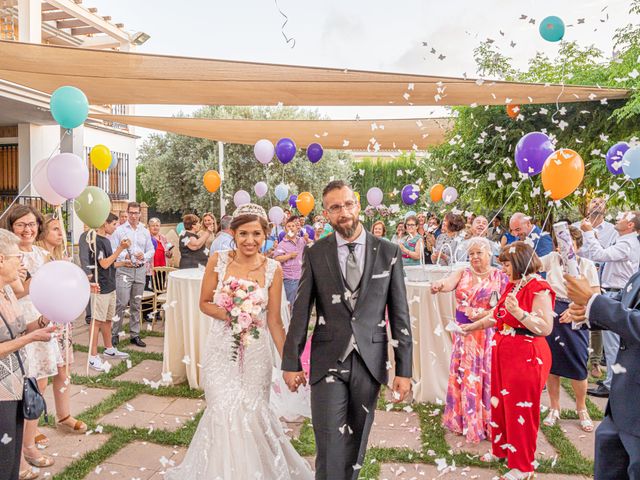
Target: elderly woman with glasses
<point>477,290</point>
<point>411,245</point>
<point>15,334</point>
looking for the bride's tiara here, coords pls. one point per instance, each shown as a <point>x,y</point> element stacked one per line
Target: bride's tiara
<point>250,209</point>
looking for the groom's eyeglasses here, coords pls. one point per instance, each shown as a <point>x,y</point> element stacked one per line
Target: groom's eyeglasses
<point>335,209</point>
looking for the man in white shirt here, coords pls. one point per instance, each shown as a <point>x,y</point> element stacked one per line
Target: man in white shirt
<point>130,279</point>
<point>224,241</point>
<point>621,261</point>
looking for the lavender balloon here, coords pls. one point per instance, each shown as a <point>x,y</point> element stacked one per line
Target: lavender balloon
<point>532,151</point>
<point>614,157</point>
<point>314,152</point>
<point>285,150</point>
<point>410,194</point>
<point>264,151</point>
<point>292,201</point>
<point>276,215</point>
<point>261,189</point>
<point>60,291</point>
<point>374,196</point>
<point>241,197</point>
<point>449,195</point>
<point>68,175</point>
<point>40,181</point>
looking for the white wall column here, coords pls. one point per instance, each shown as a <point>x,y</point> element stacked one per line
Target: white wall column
<point>30,21</point>
<point>35,143</point>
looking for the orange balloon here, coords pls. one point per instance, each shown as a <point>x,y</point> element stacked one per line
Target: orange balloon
<point>212,181</point>
<point>513,111</point>
<point>305,203</point>
<point>436,192</point>
<point>562,173</point>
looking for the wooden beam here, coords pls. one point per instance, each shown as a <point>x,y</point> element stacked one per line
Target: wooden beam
<point>106,19</point>
<point>120,25</point>
<point>93,10</point>
<point>47,8</point>
<point>84,31</point>
<point>55,15</point>
<point>90,19</point>
<point>74,23</point>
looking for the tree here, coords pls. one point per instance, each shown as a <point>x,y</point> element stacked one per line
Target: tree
<point>174,165</point>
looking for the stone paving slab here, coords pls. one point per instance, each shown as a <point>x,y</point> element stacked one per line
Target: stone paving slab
<point>151,411</point>
<point>81,398</point>
<point>66,448</point>
<point>149,369</point>
<point>459,445</point>
<point>566,402</point>
<point>583,441</point>
<point>140,460</point>
<point>600,402</point>
<point>79,366</point>
<point>407,471</point>
<point>396,430</point>
<point>154,344</point>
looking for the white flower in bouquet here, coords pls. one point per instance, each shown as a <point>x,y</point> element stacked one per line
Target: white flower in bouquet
<point>247,306</point>
<point>240,293</point>
<point>236,328</point>
<point>235,311</point>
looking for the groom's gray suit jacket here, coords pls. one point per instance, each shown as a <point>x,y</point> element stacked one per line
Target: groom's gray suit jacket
<point>382,292</point>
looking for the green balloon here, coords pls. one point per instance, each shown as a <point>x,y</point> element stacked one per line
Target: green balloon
<point>92,206</point>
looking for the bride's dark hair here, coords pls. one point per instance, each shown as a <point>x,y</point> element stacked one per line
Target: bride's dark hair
<point>248,218</point>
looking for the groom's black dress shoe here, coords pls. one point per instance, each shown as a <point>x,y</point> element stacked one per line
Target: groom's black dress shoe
<point>600,391</point>
<point>138,341</point>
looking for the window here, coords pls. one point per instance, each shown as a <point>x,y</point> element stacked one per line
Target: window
<point>114,181</point>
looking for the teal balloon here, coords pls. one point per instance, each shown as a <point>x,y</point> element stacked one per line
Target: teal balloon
<point>69,107</point>
<point>552,29</point>
<point>631,163</point>
<point>92,206</point>
<point>180,228</point>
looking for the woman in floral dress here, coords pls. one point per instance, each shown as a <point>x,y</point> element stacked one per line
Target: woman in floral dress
<point>477,289</point>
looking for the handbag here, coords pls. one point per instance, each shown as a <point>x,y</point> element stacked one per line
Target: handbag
<point>33,404</point>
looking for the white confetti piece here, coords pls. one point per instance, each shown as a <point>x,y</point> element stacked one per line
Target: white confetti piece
<point>6,439</point>
<point>617,368</point>
<point>335,299</point>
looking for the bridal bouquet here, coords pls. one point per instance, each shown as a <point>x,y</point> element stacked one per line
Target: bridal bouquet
<point>244,303</point>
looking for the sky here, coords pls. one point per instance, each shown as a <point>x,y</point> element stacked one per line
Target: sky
<point>360,34</point>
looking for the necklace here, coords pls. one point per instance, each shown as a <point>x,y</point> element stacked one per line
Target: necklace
<point>480,274</point>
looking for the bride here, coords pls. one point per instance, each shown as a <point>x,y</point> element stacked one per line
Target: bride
<point>239,435</point>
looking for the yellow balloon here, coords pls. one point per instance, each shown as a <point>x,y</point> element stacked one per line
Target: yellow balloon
<point>305,203</point>
<point>100,157</point>
<point>357,194</point>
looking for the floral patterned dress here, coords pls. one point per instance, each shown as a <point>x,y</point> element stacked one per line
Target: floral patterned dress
<point>468,409</point>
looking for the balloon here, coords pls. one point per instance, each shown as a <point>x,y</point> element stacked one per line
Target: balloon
<point>92,206</point>
<point>631,163</point>
<point>552,29</point>
<point>281,192</point>
<point>114,162</point>
<point>276,215</point>
<point>212,181</point>
<point>532,151</point>
<point>69,107</point>
<point>100,157</point>
<point>513,111</point>
<point>180,228</point>
<point>40,182</point>
<point>305,203</point>
<point>264,151</point>
<point>410,194</point>
<point>261,189</point>
<point>410,213</point>
<point>310,231</point>
<point>449,195</point>
<point>68,175</point>
<point>436,192</point>
<point>374,196</point>
<point>241,197</point>
<point>314,152</point>
<point>60,291</point>
<point>357,195</point>
<point>292,201</point>
<point>562,173</point>
<point>285,150</point>
<point>614,157</point>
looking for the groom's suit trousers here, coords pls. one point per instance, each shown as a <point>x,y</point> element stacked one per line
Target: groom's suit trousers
<point>343,404</point>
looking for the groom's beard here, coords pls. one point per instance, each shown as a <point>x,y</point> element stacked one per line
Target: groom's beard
<point>346,229</point>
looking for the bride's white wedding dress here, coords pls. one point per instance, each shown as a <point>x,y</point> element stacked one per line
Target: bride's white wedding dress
<point>239,435</point>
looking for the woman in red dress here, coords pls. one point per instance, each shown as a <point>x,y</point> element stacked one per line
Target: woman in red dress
<point>521,359</point>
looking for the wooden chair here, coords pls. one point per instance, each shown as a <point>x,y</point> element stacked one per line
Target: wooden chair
<point>159,279</point>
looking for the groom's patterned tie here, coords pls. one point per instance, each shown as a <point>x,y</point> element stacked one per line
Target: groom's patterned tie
<point>352,278</point>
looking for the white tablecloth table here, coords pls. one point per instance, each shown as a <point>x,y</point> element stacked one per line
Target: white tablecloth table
<point>186,328</point>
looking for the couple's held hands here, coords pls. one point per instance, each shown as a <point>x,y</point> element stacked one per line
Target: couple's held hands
<point>294,380</point>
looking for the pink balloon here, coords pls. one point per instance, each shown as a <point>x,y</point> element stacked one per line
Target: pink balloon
<point>68,175</point>
<point>261,189</point>
<point>264,151</point>
<point>60,291</point>
<point>40,182</point>
<point>374,196</point>
<point>241,197</point>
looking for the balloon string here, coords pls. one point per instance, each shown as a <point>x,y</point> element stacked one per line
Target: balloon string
<point>564,62</point>
<point>66,132</point>
<point>91,239</point>
<point>286,20</point>
<point>502,207</point>
<point>58,215</point>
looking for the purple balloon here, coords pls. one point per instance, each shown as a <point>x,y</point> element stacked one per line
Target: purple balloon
<point>310,231</point>
<point>532,151</point>
<point>614,156</point>
<point>410,194</point>
<point>314,152</point>
<point>285,150</point>
<point>292,201</point>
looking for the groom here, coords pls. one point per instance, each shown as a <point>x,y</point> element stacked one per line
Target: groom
<point>354,279</point>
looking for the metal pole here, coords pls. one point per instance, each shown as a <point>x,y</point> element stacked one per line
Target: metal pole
<point>221,172</point>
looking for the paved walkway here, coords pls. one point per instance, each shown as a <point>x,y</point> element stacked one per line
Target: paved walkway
<point>138,430</point>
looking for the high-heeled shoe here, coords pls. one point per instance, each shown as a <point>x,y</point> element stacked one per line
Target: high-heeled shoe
<point>515,474</point>
<point>28,474</point>
<point>585,421</point>
<point>42,461</point>
<point>552,417</point>
<point>77,427</point>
